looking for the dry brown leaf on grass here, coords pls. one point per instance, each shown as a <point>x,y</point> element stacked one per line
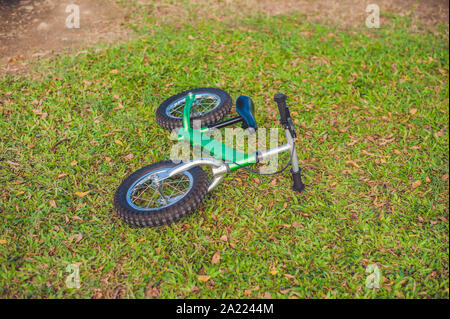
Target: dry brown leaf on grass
<point>352,163</point>
<point>273,272</point>
<point>367,153</point>
<point>52,203</point>
<point>416,183</point>
<point>129,156</point>
<point>119,107</point>
<point>376,203</point>
<point>152,291</point>
<point>288,276</point>
<point>203,278</point>
<point>267,295</point>
<point>297,225</point>
<point>442,71</point>
<point>441,218</point>
<point>216,257</point>
<point>440,133</point>
<point>13,163</point>
<point>37,103</point>
<point>81,194</point>
<point>76,237</point>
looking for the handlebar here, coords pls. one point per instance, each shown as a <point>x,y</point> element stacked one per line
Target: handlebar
<point>281,98</point>
<point>285,115</point>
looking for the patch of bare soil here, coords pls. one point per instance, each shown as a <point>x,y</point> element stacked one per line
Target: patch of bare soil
<point>32,29</point>
<point>345,13</point>
<point>350,13</point>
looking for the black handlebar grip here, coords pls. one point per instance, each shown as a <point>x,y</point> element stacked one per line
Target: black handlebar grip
<point>281,98</point>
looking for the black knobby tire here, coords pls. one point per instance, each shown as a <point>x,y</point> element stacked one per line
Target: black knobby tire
<point>213,116</point>
<point>165,215</point>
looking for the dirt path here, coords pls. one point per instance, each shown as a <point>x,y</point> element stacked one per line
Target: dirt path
<point>32,29</point>
<point>345,13</point>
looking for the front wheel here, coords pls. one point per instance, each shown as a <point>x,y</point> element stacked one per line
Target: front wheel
<point>141,202</point>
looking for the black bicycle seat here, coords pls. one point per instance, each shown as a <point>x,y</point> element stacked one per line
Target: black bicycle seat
<point>246,109</point>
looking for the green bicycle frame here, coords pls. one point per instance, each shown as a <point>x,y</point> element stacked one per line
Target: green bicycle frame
<point>233,159</point>
<point>199,138</point>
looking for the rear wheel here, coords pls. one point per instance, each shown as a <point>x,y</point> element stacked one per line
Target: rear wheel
<point>209,107</point>
<point>144,202</point>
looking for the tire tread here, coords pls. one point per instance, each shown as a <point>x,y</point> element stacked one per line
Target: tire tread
<point>211,117</point>
<point>166,215</point>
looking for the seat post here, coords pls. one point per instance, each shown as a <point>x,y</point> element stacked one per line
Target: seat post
<point>190,98</point>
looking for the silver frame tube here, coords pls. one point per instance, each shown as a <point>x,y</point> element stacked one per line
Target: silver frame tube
<point>219,168</point>
<point>262,155</point>
<point>294,159</point>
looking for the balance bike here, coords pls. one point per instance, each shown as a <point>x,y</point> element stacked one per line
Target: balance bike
<point>166,191</point>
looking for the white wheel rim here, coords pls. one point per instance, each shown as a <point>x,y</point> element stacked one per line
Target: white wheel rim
<point>203,104</point>
<point>145,195</point>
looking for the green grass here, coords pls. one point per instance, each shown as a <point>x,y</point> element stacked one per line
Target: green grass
<point>371,107</point>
